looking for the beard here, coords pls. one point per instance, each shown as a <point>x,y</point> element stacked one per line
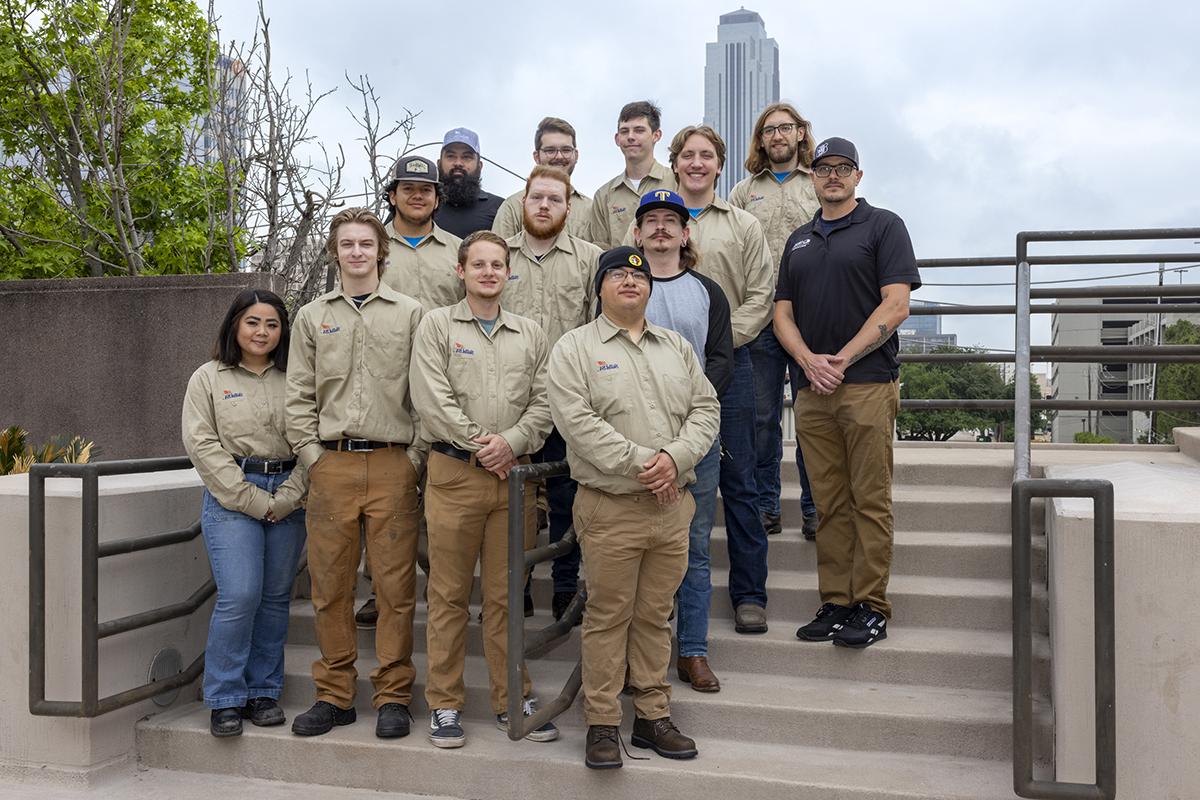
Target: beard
<point>788,154</point>
<point>410,219</point>
<point>542,230</point>
<point>461,190</point>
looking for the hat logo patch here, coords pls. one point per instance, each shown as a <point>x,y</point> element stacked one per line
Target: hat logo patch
<point>417,167</point>
<point>822,149</point>
<point>634,260</point>
<point>663,195</point>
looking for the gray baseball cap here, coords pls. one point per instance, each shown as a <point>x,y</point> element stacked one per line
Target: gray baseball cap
<point>461,136</point>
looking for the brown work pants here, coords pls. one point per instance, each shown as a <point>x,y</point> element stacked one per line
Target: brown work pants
<point>378,487</point>
<point>635,554</point>
<point>846,438</point>
<point>466,508</point>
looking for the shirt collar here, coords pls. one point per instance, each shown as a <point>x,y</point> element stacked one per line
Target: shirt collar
<point>658,172</point>
<point>461,312</point>
<point>608,329</point>
<point>384,292</point>
<point>520,240</point>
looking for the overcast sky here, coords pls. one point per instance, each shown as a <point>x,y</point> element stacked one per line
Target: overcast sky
<point>973,120</point>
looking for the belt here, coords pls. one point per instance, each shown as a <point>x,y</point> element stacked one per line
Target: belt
<point>358,445</point>
<point>452,451</point>
<point>267,466</point>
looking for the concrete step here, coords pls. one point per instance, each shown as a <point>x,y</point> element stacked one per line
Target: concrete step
<point>774,709</point>
<point>926,471</point>
<point>491,766</point>
<point>947,657</point>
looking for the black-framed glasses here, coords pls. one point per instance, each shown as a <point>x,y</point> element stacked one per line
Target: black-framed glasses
<point>618,276</point>
<point>551,152</point>
<point>787,129</point>
<point>842,170</point>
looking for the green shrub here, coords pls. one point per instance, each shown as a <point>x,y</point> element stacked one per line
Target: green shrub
<point>1087,437</point>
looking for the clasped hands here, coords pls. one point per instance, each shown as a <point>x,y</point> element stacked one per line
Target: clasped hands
<point>496,456</point>
<point>824,372</point>
<point>659,477</point>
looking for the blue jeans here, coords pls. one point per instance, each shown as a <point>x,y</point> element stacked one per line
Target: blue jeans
<point>695,593</point>
<point>560,496</point>
<point>771,365</point>
<point>744,530</point>
<point>254,565</point>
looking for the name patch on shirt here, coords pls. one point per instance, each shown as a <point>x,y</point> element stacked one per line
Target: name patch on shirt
<point>462,350</point>
<point>605,366</point>
<point>618,209</point>
<point>514,277</point>
<point>754,198</point>
<point>325,328</point>
<point>230,395</point>
<point>801,243</point>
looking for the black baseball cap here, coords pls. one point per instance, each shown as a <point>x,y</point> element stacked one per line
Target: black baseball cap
<point>836,146</point>
<point>623,257</point>
<point>413,168</point>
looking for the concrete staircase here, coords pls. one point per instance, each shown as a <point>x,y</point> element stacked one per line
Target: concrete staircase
<point>924,714</point>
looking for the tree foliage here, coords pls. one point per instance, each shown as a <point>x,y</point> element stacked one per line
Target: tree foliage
<point>1177,382</point>
<point>938,381</point>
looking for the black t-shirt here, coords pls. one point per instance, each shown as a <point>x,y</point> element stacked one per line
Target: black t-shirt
<point>833,280</point>
<point>465,220</point>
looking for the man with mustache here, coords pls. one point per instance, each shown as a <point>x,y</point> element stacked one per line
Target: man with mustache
<point>553,146</point>
<point>780,194</point>
<point>550,282</point>
<point>467,208</point>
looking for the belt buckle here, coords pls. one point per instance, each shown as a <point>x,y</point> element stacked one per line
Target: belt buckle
<point>358,445</point>
<point>273,467</point>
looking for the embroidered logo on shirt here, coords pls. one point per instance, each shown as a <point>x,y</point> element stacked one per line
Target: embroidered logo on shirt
<point>514,277</point>
<point>230,395</point>
<point>801,243</point>
<point>326,328</point>
<point>618,209</point>
<point>605,366</point>
<point>754,198</point>
<point>462,350</point>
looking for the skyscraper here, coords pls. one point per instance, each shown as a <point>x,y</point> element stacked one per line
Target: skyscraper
<point>741,78</point>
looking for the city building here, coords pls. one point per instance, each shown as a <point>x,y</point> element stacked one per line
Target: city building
<point>922,333</point>
<point>1149,331</point>
<point>741,78</point>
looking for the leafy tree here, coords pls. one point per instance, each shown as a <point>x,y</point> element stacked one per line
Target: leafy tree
<point>1039,420</point>
<point>930,381</point>
<point>1177,382</point>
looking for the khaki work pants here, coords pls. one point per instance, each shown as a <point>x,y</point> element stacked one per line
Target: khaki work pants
<point>378,487</point>
<point>846,438</point>
<point>635,554</point>
<point>466,508</point>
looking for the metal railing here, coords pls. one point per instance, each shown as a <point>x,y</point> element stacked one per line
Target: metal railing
<point>92,630</point>
<point>520,647</point>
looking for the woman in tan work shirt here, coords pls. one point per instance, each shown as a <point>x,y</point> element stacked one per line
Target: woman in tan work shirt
<point>233,430</point>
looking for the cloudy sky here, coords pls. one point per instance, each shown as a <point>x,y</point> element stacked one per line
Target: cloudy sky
<point>974,120</point>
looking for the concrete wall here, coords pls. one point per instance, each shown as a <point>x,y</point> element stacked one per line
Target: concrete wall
<point>109,358</point>
<point>75,750</point>
<point>1156,560</point>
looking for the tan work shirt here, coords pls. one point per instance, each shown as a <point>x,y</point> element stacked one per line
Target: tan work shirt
<point>615,202</point>
<point>734,253</point>
<point>348,371</point>
<point>509,220</point>
<point>466,383</point>
<point>617,402</point>
<point>425,272</point>
<point>230,413</point>
<point>558,292</point>
<point>780,207</point>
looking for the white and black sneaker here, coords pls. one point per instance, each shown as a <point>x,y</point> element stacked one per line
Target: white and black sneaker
<point>829,620</point>
<point>546,733</point>
<point>445,728</point>
<point>864,628</point>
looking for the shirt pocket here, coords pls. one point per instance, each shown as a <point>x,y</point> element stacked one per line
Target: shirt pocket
<point>464,372</point>
<point>334,350</point>
<point>387,350</point>
<point>611,395</point>
<point>518,379</point>
<point>237,418</point>
<point>570,300</point>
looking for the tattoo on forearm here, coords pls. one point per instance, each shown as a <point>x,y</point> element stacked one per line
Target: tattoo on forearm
<point>885,333</point>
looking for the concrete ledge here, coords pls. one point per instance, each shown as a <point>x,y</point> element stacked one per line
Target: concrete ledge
<point>1188,442</point>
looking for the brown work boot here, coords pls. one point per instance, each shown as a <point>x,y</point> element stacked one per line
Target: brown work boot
<point>603,751</point>
<point>695,670</point>
<point>661,736</point>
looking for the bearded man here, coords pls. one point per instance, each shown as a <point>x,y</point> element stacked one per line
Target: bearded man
<point>466,208</point>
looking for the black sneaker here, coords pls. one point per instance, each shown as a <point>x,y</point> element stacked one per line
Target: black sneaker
<point>368,615</point>
<point>263,712</point>
<point>560,603</point>
<point>393,721</point>
<point>772,523</point>
<point>321,718</point>
<point>864,628</point>
<point>809,528</point>
<point>829,620</point>
<point>528,607</point>
<point>225,722</point>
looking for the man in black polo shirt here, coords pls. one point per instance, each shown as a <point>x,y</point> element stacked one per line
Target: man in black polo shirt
<point>466,207</point>
<point>844,283</point>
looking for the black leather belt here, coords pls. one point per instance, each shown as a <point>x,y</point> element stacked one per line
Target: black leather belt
<point>452,451</point>
<point>358,445</point>
<point>267,466</point>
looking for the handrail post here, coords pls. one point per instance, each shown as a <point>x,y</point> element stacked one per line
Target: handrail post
<point>89,661</point>
<point>1022,433</point>
<point>37,588</point>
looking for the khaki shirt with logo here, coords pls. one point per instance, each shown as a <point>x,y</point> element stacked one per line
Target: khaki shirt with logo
<point>230,413</point>
<point>734,253</point>
<point>780,207</point>
<point>466,383</point>
<point>510,222</point>
<point>347,372</point>
<point>617,403</point>
<point>425,272</point>
<point>615,202</point>
<point>557,292</point>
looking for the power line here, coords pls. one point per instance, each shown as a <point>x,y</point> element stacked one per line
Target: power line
<point>1183,268</point>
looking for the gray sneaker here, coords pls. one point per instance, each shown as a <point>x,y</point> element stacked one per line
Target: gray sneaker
<point>445,728</point>
<point>546,733</point>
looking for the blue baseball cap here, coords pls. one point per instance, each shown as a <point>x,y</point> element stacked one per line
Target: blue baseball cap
<point>461,136</point>
<point>662,198</point>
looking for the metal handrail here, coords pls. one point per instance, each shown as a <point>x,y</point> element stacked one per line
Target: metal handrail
<point>520,561</point>
<point>92,630</point>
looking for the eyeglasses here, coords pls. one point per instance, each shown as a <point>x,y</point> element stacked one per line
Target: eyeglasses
<point>842,170</point>
<point>786,129</point>
<point>551,152</point>
<point>618,276</point>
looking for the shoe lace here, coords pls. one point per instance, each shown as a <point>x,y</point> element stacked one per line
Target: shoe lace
<point>861,616</point>
<point>825,610</point>
<point>612,733</point>
<point>446,717</point>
